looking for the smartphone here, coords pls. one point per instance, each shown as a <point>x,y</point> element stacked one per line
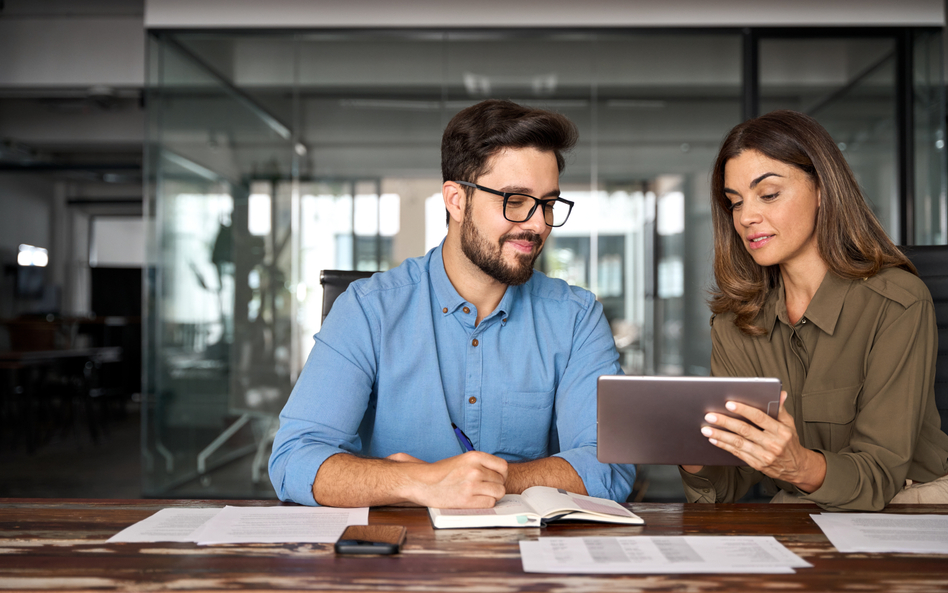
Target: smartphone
<point>371,539</point>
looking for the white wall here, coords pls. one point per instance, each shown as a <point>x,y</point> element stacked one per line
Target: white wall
<point>527,13</point>
<point>117,242</point>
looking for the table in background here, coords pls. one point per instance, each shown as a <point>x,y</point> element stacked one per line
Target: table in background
<point>42,392</point>
<point>59,545</point>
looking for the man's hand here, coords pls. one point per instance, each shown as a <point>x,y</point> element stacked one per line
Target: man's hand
<point>772,447</point>
<point>554,472</point>
<point>471,480</point>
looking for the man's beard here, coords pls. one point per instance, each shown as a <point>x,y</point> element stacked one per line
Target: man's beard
<point>489,258</point>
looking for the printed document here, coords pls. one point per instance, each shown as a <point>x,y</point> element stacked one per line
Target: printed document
<point>885,532</point>
<point>244,525</point>
<point>659,555</point>
<point>277,524</point>
<point>167,525</point>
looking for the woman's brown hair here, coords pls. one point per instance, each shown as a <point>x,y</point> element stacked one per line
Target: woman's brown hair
<point>849,237</point>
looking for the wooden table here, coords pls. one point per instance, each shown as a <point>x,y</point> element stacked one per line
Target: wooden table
<point>59,545</point>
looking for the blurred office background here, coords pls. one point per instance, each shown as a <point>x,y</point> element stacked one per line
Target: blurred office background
<point>174,176</point>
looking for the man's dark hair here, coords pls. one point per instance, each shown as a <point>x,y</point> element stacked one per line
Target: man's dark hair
<point>478,132</point>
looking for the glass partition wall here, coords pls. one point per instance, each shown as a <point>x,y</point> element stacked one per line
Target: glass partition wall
<point>274,156</point>
<point>880,95</point>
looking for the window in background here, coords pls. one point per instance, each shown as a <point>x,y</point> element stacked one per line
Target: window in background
<point>848,85</point>
<point>273,156</point>
<point>117,241</point>
<point>930,203</point>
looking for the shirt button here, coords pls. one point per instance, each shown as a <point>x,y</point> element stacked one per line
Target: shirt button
<point>804,321</point>
<point>706,490</point>
<point>445,310</point>
<point>472,400</point>
<point>504,320</point>
<point>466,310</point>
<point>474,343</point>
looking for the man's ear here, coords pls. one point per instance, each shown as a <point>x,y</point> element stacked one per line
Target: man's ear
<point>454,200</point>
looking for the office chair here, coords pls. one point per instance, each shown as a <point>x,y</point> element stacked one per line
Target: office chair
<point>334,283</point>
<point>932,264</point>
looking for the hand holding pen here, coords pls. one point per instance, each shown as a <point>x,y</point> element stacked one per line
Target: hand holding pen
<point>471,480</point>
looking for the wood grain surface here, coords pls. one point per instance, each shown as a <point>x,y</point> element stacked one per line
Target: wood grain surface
<point>60,545</point>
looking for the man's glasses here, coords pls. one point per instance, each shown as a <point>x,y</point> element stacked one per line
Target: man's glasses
<point>520,207</point>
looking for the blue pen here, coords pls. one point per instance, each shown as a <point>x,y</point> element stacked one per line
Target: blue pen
<point>462,437</point>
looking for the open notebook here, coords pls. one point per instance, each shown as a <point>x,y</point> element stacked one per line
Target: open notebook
<point>534,506</point>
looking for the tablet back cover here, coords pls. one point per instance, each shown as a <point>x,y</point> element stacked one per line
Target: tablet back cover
<point>658,420</point>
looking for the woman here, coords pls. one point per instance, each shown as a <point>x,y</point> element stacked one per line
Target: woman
<point>812,291</point>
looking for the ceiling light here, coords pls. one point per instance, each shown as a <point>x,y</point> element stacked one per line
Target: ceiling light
<point>32,256</point>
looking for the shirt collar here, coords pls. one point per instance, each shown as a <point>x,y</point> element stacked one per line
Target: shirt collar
<point>447,296</point>
<point>823,311</point>
<point>827,303</point>
<point>773,304</point>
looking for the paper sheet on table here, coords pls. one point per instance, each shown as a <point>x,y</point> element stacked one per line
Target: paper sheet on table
<point>167,525</point>
<point>243,525</point>
<point>659,555</point>
<point>885,532</point>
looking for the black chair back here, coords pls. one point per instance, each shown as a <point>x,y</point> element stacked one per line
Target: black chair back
<point>932,264</point>
<point>335,282</point>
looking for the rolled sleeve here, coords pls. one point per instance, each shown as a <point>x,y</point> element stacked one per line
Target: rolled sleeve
<point>593,354</point>
<point>698,488</point>
<point>718,483</point>
<point>327,405</point>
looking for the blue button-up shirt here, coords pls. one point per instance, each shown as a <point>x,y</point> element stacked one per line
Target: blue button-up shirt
<point>399,359</point>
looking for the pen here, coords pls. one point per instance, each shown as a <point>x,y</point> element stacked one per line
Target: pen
<point>468,446</point>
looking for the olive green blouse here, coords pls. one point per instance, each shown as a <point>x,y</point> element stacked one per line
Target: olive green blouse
<point>859,370</point>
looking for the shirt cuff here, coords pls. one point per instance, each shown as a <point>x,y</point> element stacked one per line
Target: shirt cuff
<point>298,482</point>
<point>602,480</point>
<point>700,487</point>
<point>841,476</point>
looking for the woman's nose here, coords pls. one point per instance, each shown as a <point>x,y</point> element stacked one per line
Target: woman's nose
<point>750,213</point>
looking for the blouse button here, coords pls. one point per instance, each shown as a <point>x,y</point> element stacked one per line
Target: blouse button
<point>472,400</point>
<point>474,342</point>
<point>466,310</point>
<point>445,310</point>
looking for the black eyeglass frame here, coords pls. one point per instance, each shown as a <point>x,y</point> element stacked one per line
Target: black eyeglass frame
<point>536,202</point>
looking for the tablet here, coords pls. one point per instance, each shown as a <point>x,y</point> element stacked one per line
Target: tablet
<point>658,420</point>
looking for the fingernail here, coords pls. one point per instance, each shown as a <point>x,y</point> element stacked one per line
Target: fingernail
<point>713,441</point>
<point>730,406</point>
<point>706,431</point>
<point>711,418</point>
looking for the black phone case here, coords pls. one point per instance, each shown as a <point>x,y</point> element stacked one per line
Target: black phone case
<point>371,539</point>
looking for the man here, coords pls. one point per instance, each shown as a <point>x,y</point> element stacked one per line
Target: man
<point>466,335</point>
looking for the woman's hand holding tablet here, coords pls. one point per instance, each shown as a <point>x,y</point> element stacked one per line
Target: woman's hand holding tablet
<point>768,445</point>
